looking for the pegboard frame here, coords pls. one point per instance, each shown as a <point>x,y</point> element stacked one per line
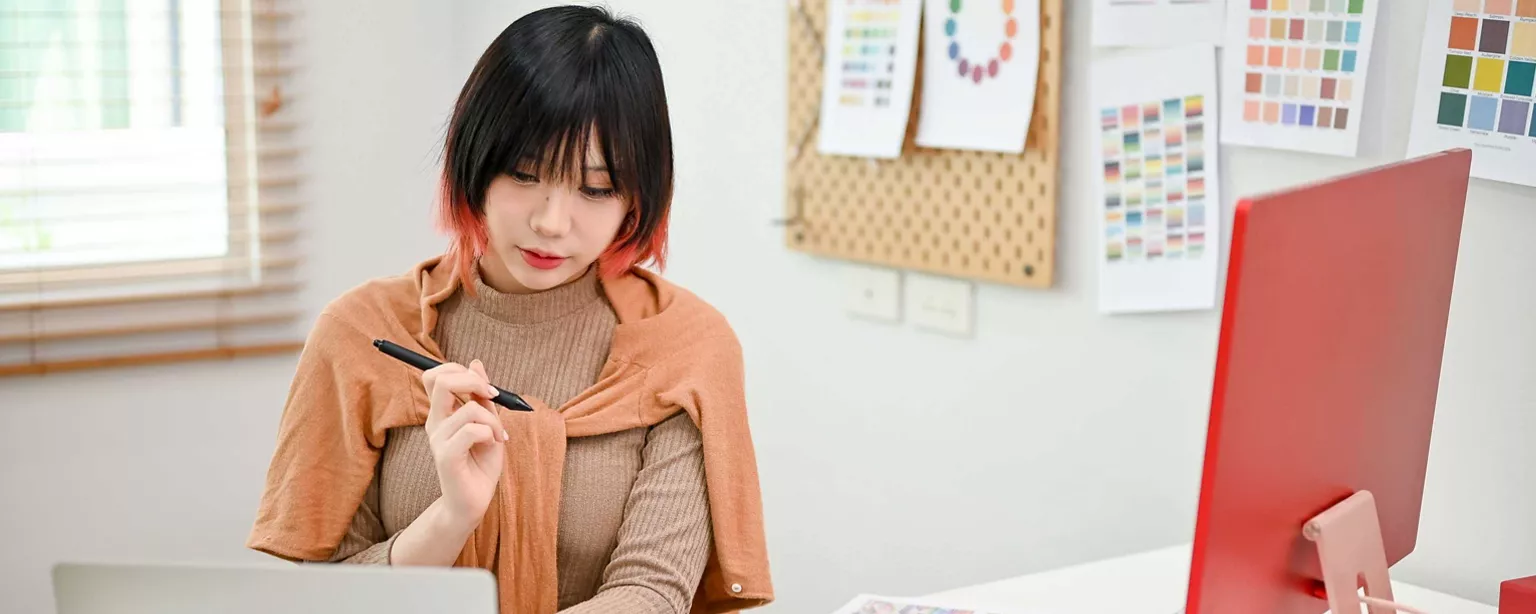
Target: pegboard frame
<point>968,214</point>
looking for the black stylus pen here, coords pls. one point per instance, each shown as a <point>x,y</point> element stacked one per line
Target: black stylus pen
<point>503,398</point>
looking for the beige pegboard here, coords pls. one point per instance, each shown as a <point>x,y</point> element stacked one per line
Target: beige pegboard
<point>968,214</point>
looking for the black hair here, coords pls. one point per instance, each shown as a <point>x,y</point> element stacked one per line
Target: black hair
<point>537,95</point>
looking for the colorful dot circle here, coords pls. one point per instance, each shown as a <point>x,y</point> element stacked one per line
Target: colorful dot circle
<point>977,71</point>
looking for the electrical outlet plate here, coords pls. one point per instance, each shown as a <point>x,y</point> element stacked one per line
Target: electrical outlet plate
<point>941,304</point>
<point>872,292</point>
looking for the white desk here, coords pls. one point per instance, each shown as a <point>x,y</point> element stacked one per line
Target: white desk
<point>1148,583</point>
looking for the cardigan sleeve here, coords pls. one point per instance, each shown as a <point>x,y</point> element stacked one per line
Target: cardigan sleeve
<point>327,444</point>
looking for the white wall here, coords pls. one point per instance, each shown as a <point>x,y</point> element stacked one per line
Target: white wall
<point>900,462</point>
<point>892,461</point>
<point>167,463</point>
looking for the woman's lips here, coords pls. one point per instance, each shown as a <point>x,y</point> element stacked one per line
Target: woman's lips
<point>541,260</point>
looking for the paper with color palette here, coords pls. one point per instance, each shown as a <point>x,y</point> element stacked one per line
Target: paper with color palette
<point>1157,23</point>
<point>867,76</point>
<point>1476,80</point>
<point>1158,202</point>
<point>979,74</point>
<point>1294,73</point>
<point>872,604</point>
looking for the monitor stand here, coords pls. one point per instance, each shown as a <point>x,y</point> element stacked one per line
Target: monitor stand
<point>1352,555</point>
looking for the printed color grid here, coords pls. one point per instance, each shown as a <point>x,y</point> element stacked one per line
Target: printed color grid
<point>1489,74</point>
<point>869,53</point>
<point>1154,180</point>
<point>1302,58</point>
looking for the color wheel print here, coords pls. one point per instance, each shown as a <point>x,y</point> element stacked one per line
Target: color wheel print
<point>977,70</point>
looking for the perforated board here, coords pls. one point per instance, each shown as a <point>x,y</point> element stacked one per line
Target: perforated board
<point>968,214</point>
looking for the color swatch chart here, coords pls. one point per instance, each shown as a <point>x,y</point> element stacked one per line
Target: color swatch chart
<point>1489,72</point>
<point>1477,76</point>
<point>869,52</point>
<point>1295,72</point>
<point>1154,180</point>
<point>870,604</point>
<point>1302,59</point>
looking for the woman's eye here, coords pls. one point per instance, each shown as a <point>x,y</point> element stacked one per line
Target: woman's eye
<point>524,177</point>
<point>597,192</point>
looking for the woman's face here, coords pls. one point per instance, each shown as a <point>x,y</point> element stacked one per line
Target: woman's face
<point>544,234</point>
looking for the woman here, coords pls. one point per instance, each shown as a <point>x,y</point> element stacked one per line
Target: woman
<point>632,486</point>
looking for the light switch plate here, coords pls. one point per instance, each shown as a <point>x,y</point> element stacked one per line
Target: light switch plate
<point>872,292</point>
<point>941,304</point>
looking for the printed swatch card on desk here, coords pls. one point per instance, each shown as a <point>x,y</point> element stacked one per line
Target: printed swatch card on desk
<point>1476,81</point>
<point>1294,72</point>
<point>871,604</point>
<point>979,72</point>
<point>1157,23</point>
<point>1158,201</point>
<point>867,76</point>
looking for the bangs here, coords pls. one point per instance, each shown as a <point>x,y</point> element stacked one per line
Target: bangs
<point>559,154</point>
<point>551,123</point>
<point>548,85</point>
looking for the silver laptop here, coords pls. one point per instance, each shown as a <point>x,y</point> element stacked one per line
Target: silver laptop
<point>81,588</point>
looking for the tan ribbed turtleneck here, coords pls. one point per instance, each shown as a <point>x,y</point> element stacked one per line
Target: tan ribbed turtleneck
<point>634,528</point>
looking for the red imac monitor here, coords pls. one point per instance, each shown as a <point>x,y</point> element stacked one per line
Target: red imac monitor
<point>1331,337</point>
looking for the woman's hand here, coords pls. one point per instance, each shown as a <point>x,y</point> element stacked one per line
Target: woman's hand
<point>466,438</point>
<point>467,442</point>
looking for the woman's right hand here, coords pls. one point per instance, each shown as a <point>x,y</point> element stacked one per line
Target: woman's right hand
<point>466,437</point>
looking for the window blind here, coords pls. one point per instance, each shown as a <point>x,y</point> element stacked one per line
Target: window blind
<point>149,182</point>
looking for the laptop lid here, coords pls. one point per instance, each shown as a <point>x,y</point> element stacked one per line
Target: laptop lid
<point>94,588</point>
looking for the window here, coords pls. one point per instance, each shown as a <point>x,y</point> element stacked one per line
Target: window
<point>147,182</point>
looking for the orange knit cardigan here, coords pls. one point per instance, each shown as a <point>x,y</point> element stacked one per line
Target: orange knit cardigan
<point>670,350</point>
